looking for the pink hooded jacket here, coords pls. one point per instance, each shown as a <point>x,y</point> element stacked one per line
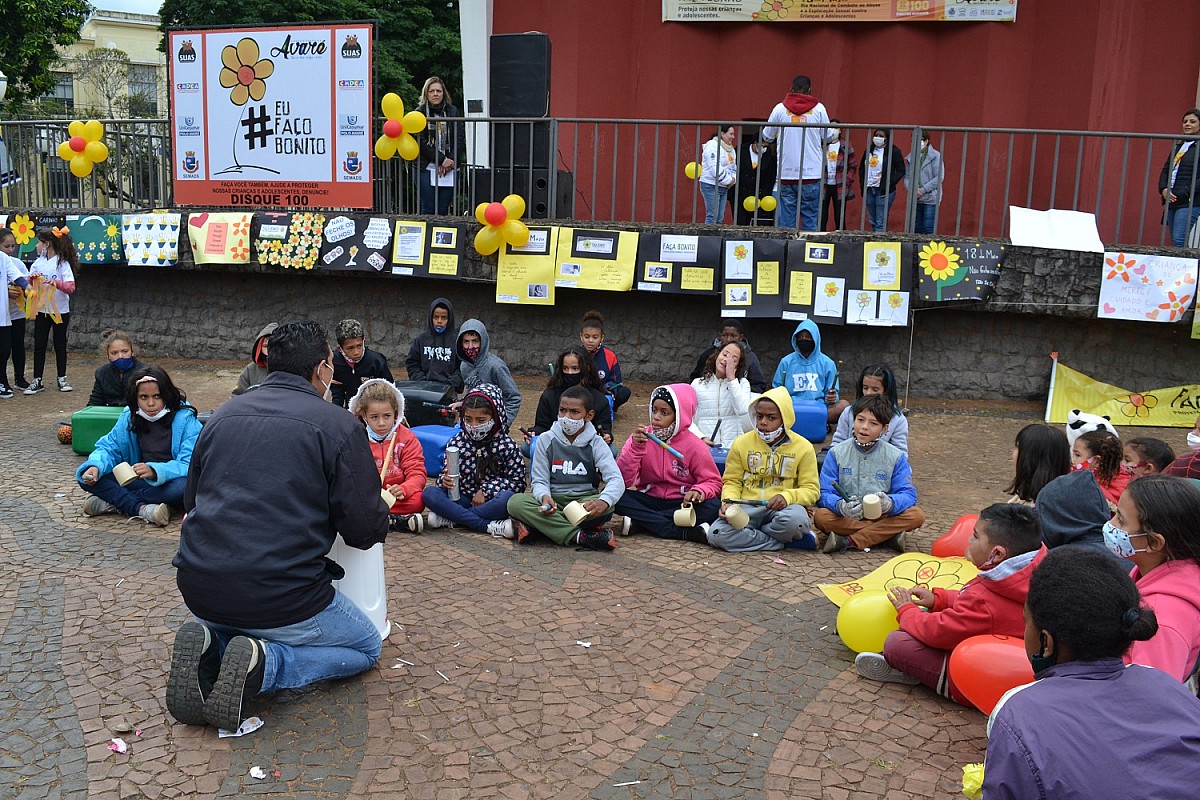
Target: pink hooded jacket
<point>1172,589</point>
<point>652,470</point>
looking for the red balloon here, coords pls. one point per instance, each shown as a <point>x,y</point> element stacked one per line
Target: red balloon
<point>77,143</point>
<point>495,213</point>
<point>393,128</point>
<point>985,667</point>
<point>954,543</point>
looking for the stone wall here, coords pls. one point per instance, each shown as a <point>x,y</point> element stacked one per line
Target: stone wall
<point>1045,302</point>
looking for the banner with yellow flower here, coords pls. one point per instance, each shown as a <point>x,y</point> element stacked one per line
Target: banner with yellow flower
<point>910,569</point>
<point>220,238</point>
<point>97,238</point>
<point>958,270</point>
<point>839,11</point>
<point>25,225</point>
<point>288,240</point>
<point>1170,407</point>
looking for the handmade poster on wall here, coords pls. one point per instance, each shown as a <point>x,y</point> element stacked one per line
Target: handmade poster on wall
<point>220,238</point>
<point>1172,406</point>
<point>408,248</point>
<point>840,11</point>
<point>151,240</point>
<point>97,238</point>
<point>525,274</point>
<point>25,227</point>
<point>1147,288</point>
<point>429,250</point>
<point>360,244</point>
<point>673,264</point>
<point>958,270</point>
<point>753,274</point>
<point>447,249</point>
<point>291,240</point>
<point>272,116</point>
<point>596,259</point>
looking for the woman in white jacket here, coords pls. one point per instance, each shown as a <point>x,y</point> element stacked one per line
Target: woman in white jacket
<point>722,398</point>
<point>718,172</point>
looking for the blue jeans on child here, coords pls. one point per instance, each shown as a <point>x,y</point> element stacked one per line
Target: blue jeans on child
<point>657,515</point>
<point>461,512</point>
<point>335,643</point>
<point>128,499</point>
<point>879,205</point>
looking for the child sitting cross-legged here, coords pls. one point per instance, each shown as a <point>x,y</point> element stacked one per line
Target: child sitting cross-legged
<point>570,463</point>
<point>866,465</point>
<point>1006,546</point>
<point>771,475</point>
<point>379,405</point>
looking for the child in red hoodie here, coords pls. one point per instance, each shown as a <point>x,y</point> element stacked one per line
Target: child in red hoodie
<point>1006,545</point>
<point>659,482</point>
<point>398,454</point>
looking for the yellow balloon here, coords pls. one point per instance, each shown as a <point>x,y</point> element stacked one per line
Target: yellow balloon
<point>93,130</point>
<point>515,232</point>
<point>767,203</point>
<point>80,166</point>
<point>414,122</point>
<point>692,170</point>
<point>865,620</point>
<point>515,205</point>
<point>75,128</point>
<point>488,240</point>
<point>407,147</point>
<point>393,106</point>
<point>385,148</point>
<point>750,203</point>
<point>65,152</point>
<point>479,209</point>
<point>96,151</point>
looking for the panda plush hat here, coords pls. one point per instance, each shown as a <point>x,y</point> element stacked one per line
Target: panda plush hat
<point>1080,422</point>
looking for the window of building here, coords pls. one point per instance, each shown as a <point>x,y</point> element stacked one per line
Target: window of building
<point>64,91</point>
<point>143,90</point>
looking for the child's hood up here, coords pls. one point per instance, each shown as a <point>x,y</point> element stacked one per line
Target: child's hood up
<point>494,397</point>
<point>474,326</point>
<point>259,340</point>
<point>815,332</point>
<point>683,397</point>
<point>359,408</point>
<point>442,303</point>
<point>780,397</point>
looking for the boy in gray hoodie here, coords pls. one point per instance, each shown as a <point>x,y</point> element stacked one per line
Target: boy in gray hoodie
<point>479,365</point>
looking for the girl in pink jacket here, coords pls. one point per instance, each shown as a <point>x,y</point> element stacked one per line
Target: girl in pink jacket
<point>661,481</point>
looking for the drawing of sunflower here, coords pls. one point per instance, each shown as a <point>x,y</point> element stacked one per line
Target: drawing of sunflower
<point>244,73</point>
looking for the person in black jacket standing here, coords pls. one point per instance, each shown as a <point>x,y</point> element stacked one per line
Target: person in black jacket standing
<point>434,355</point>
<point>274,475</point>
<point>1179,181</point>
<point>442,146</point>
<point>881,170</point>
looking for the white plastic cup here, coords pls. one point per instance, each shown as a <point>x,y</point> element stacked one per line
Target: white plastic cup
<point>737,516</point>
<point>872,508</point>
<point>575,512</point>
<point>388,498</point>
<point>124,473</point>
<point>685,516</point>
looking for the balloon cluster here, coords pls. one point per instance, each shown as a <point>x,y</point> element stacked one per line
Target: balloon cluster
<point>501,223</point>
<point>84,148</point>
<point>398,130</point>
<point>767,203</point>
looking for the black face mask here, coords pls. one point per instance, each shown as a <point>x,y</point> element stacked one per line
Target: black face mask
<point>807,346</point>
<point>1041,662</point>
<point>572,378</point>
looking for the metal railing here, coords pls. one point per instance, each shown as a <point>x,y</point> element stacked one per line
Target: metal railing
<point>612,170</point>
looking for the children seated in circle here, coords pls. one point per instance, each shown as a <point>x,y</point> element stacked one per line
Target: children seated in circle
<point>111,387</point>
<point>379,405</point>
<point>722,397</point>
<point>1040,454</point>
<point>433,355</point>
<point>151,444</point>
<point>1146,456</point>
<point>573,367</point>
<point>591,335</point>
<point>732,331</point>
<point>354,362</point>
<point>808,374</point>
<point>876,379</point>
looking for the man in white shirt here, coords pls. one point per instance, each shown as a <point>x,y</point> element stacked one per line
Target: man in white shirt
<point>801,154</point>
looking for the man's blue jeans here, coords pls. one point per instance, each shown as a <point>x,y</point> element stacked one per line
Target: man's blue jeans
<point>809,195</point>
<point>878,206</point>
<point>475,518</point>
<point>335,643</point>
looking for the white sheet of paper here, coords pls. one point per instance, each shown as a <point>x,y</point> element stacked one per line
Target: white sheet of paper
<point>1056,229</point>
<point>445,180</point>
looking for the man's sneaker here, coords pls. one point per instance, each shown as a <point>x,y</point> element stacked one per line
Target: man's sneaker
<point>875,667</point>
<point>21,383</point>
<point>807,541</point>
<point>155,513</point>
<point>596,539</point>
<point>63,386</point>
<point>35,386</point>
<point>501,528</point>
<point>626,526</point>
<point>438,521</point>
<point>241,677</point>
<point>97,507</point>
<point>521,532</point>
<point>195,665</point>
<point>408,523</point>
<point>836,544</point>
<point>5,392</point>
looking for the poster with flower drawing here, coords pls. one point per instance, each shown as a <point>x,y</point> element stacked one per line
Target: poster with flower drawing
<point>830,297</point>
<point>97,238</point>
<point>958,270</point>
<point>1147,288</point>
<point>219,238</point>
<point>151,240</point>
<point>862,306</point>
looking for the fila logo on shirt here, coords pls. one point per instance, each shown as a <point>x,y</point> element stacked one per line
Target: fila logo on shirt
<point>568,467</point>
<point>806,382</point>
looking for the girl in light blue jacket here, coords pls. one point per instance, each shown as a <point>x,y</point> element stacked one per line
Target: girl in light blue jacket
<point>154,435</point>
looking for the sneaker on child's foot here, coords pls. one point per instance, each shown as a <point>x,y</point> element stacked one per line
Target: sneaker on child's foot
<point>21,383</point>
<point>35,386</point>
<point>806,541</point>
<point>626,526</point>
<point>595,539</point>
<point>875,667</point>
<point>63,386</point>
<point>521,532</point>
<point>406,523</point>
<point>5,392</point>
<point>155,513</point>
<point>698,534</point>
<point>195,665</point>
<point>501,528</point>
<point>438,521</point>
<point>836,544</point>
<point>241,676</point>
<point>96,507</point>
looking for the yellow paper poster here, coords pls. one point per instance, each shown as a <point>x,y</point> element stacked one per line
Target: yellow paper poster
<point>525,274</point>
<point>1196,321</point>
<point>881,266</point>
<point>409,245</point>
<point>698,279</point>
<point>768,277</point>
<point>738,294</point>
<point>443,264</point>
<point>800,287</point>
<point>1171,407</point>
<point>219,238</point>
<point>909,569</point>
<point>596,259</point>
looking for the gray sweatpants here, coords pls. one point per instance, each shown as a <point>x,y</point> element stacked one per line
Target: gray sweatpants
<point>768,530</point>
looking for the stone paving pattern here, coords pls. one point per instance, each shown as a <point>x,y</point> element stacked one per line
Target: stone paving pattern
<point>710,675</point>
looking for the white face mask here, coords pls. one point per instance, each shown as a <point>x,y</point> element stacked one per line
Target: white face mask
<point>924,146</point>
<point>161,413</point>
<point>878,140</point>
<point>477,433</point>
<point>328,395</point>
<point>770,437</point>
<point>571,426</point>
<point>1193,441</point>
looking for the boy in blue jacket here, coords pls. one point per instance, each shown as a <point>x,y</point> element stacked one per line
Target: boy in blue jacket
<point>807,373</point>
<point>862,465</point>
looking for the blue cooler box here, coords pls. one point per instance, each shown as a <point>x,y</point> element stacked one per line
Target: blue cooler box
<point>812,419</point>
<point>433,439</point>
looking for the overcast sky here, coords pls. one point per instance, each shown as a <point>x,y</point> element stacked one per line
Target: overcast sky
<point>138,6</point>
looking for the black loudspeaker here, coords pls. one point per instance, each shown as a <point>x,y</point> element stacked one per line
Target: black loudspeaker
<point>521,144</point>
<point>520,75</point>
<point>533,185</point>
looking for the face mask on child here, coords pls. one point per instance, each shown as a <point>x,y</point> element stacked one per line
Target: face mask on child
<point>379,438</point>
<point>471,351</point>
<point>123,364</point>
<point>156,417</point>
<point>1193,441</point>
<point>571,426</point>
<point>878,140</point>
<point>1118,542</point>
<point>477,433</point>
<point>770,437</point>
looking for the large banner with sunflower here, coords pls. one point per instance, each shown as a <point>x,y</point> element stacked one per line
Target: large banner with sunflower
<point>839,10</point>
<point>1170,407</point>
<point>272,116</point>
<point>958,270</point>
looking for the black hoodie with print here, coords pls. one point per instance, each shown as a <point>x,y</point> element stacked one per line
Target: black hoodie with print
<point>433,356</point>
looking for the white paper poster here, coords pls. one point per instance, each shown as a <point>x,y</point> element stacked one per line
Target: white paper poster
<point>1146,287</point>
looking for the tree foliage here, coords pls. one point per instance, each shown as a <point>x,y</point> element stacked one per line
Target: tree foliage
<point>106,69</point>
<point>416,38</point>
<point>29,34</point>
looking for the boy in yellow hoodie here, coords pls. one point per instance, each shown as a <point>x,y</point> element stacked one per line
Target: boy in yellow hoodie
<point>771,474</point>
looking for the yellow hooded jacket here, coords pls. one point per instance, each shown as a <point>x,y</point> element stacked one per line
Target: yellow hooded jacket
<point>755,471</point>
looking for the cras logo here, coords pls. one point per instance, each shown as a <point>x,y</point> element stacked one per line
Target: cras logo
<point>187,53</point>
<point>351,48</point>
<point>353,165</point>
<point>190,163</point>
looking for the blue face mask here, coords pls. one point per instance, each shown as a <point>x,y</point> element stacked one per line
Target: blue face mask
<point>436,329</point>
<point>123,364</point>
<point>1118,541</point>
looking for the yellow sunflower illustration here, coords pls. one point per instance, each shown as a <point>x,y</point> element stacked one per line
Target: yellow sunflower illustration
<point>775,9</point>
<point>22,229</point>
<point>244,73</point>
<point>939,260</point>
<point>932,574</point>
<point>1138,405</point>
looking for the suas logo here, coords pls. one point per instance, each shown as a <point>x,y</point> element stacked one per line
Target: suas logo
<point>187,53</point>
<point>351,48</point>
